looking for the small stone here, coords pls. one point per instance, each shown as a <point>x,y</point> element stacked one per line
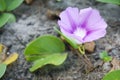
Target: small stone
<point>98,63</point>
<point>89,46</point>
<point>108,48</point>
<point>107,66</point>
<point>68,78</point>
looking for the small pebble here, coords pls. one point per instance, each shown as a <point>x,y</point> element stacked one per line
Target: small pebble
<point>106,66</point>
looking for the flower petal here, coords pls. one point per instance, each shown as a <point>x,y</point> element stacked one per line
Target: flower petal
<point>94,21</point>
<point>80,32</point>
<point>73,37</point>
<point>97,26</point>
<point>94,35</point>
<point>84,26</point>
<point>70,17</point>
<point>84,13</point>
<point>67,28</point>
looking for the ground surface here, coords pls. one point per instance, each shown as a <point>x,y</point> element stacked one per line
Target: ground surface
<point>33,22</point>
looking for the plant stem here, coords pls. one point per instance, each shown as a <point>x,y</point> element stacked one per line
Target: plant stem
<point>81,50</point>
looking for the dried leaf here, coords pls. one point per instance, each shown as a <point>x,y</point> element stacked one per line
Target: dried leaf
<point>53,15</point>
<point>115,64</point>
<point>3,50</point>
<point>28,1</point>
<point>89,46</point>
<point>11,58</point>
<point>2,57</point>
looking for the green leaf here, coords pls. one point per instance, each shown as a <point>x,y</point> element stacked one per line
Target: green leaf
<point>114,75</point>
<point>43,46</point>
<point>105,57</point>
<point>71,42</point>
<point>103,54</point>
<point>11,19</point>
<point>55,59</point>
<point>110,1</point>
<point>46,44</point>
<point>2,69</point>
<point>12,4</point>
<point>2,5</point>
<point>6,17</point>
<point>45,50</point>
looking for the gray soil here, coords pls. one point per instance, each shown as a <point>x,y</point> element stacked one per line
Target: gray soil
<point>33,22</point>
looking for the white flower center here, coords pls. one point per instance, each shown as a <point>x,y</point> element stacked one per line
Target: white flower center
<point>80,32</point>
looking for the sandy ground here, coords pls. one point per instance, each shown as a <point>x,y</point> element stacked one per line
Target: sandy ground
<point>33,22</point>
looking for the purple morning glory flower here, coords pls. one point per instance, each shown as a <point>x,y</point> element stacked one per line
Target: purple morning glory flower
<point>83,25</point>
